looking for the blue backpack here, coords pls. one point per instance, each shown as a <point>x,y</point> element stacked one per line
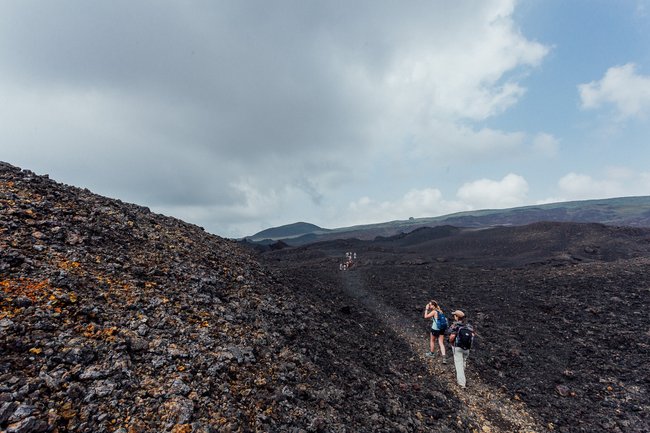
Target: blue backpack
<point>442,321</point>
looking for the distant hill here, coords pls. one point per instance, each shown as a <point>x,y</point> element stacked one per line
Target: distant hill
<point>288,231</point>
<point>623,211</point>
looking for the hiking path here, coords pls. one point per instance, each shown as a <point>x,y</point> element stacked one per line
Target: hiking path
<point>492,410</point>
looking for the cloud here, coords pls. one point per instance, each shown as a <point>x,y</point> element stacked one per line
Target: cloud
<point>582,186</point>
<point>615,182</point>
<point>546,145</point>
<point>449,141</point>
<point>177,105</point>
<point>486,193</point>
<point>415,203</point>
<point>483,193</point>
<point>622,87</point>
<point>510,191</point>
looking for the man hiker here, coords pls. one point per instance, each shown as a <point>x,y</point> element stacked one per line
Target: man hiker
<point>461,336</point>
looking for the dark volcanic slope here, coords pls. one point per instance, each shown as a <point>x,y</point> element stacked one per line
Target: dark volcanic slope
<point>534,243</point>
<point>538,243</point>
<point>114,319</point>
<point>567,336</point>
<point>572,341</point>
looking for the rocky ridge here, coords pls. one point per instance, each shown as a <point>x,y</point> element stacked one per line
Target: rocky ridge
<point>115,319</point>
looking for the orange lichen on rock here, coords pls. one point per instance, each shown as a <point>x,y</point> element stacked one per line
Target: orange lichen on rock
<point>34,290</point>
<point>92,331</point>
<point>182,428</point>
<point>68,265</point>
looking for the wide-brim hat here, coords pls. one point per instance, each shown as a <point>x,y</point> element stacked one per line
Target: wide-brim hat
<point>458,314</point>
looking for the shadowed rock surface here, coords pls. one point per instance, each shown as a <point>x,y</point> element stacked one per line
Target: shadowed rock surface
<point>115,319</point>
<point>560,309</point>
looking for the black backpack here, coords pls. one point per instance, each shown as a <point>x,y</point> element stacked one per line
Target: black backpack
<point>463,338</point>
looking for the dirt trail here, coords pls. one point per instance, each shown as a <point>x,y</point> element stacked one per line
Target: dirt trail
<point>490,408</point>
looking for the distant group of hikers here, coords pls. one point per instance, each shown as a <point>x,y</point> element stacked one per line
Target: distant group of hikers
<point>350,257</point>
<point>460,335</point>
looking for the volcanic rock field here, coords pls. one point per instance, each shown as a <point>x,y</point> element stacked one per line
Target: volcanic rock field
<point>115,319</point>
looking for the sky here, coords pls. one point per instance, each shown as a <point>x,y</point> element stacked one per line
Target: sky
<point>243,115</point>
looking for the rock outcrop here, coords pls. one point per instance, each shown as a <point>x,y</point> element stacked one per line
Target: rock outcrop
<point>115,319</point>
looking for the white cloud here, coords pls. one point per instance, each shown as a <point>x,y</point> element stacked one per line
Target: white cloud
<point>480,194</point>
<point>486,193</point>
<point>546,145</point>
<point>461,73</point>
<point>621,86</point>
<point>448,141</point>
<point>582,186</point>
<point>416,203</point>
<point>449,72</point>
<point>615,182</point>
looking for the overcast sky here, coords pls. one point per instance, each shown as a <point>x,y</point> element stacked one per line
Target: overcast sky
<point>243,115</point>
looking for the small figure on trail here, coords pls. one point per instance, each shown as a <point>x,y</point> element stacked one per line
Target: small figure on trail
<point>349,260</point>
<point>461,336</point>
<point>347,264</point>
<point>438,328</point>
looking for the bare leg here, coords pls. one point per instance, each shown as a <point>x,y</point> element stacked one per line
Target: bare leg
<point>432,344</point>
<point>441,343</point>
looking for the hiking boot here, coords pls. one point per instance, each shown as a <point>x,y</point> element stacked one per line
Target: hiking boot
<point>429,354</point>
<point>444,359</point>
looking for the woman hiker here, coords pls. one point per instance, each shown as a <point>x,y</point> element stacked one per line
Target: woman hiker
<point>438,328</point>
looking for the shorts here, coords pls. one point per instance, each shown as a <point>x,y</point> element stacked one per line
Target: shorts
<point>437,332</point>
